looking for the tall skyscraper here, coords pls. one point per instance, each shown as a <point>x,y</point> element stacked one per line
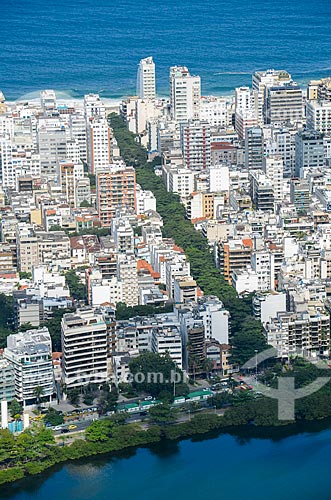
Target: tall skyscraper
<point>185,94</point>
<point>146,79</point>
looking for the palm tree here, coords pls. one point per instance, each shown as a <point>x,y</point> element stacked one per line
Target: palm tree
<point>38,393</point>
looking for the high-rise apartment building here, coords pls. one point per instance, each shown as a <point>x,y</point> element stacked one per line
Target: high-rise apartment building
<point>273,167</point>
<point>115,188</point>
<point>93,107</point>
<point>319,89</point>
<point>48,102</point>
<point>30,353</point>
<point>98,143</point>
<point>77,125</point>
<point>52,146</point>
<point>300,195</point>
<point>69,173</point>
<point>84,339</point>
<point>185,94</point>
<point>146,79</point>
<point>196,145</point>
<point>262,191</point>
<point>254,148</point>
<point>262,80</point>
<point>127,273</point>
<point>309,150</point>
<point>246,110</point>
<point>284,104</point>
<point>318,115</point>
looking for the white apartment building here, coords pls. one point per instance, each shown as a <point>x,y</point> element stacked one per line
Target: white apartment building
<point>127,273</point>
<point>185,94</point>
<point>145,200</point>
<point>167,339</point>
<point>52,145</point>
<point>93,107</point>
<point>245,281</point>
<point>215,319</point>
<point>98,143</point>
<point>30,353</point>
<point>273,167</point>
<point>123,235</point>
<point>48,102</point>
<point>176,268</point>
<point>16,162</point>
<point>267,305</point>
<point>262,263</point>
<point>217,111</point>
<point>262,80</point>
<point>138,113</point>
<point>106,291</point>
<point>246,110</point>
<point>219,178</point>
<point>84,339</point>
<point>179,180</point>
<point>146,79</point>
<point>318,115</point>
<point>77,126</point>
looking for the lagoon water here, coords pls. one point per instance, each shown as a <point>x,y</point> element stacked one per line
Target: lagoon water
<point>81,46</point>
<point>219,468</point>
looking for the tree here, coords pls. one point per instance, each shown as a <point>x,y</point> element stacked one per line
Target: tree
<point>15,408</point>
<point>7,443</point>
<point>73,396</point>
<point>85,204</point>
<point>27,326</point>
<point>107,401</point>
<point>162,414</point>
<point>54,417</point>
<point>99,431</point>
<point>221,399</point>
<point>153,373</point>
<point>248,339</point>
<point>4,332</point>
<point>25,276</point>
<point>77,288</point>
<point>92,180</point>
<point>54,326</point>
<point>126,312</point>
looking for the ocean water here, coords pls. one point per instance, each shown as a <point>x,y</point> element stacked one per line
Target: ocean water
<point>80,46</point>
<point>226,467</point>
